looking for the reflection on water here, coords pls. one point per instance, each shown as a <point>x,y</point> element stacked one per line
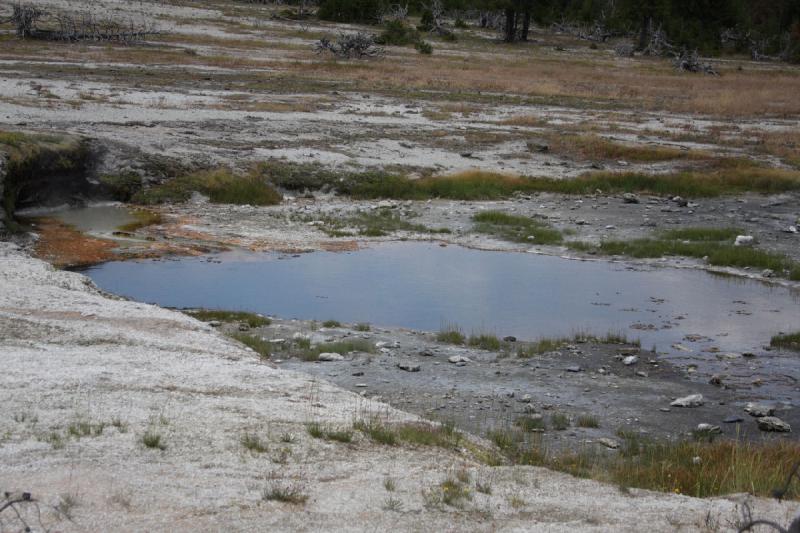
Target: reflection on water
<point>421,286</point>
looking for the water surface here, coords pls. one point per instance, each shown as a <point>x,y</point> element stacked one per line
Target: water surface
<point>423,286</point>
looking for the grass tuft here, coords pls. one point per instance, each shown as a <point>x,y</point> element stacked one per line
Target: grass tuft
<point>485,341</point>
<point>451,334</point>
<point>251,319</point>
<point>788,341</point>
<point>257,344</point>
<point>220,185</point>
<point>153,440</point>
<point>253,442</point>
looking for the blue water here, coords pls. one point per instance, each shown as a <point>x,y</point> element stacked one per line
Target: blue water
<point>423,286</point>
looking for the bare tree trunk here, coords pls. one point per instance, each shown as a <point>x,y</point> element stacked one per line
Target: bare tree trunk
<point>644,31</point>
<point>526,25</point>
<point>511,26</point>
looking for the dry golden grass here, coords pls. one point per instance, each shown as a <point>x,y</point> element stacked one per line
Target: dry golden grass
<point>594,147</point>
<point>473,70</point>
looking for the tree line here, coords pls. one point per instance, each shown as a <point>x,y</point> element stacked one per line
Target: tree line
<point>764,28</point>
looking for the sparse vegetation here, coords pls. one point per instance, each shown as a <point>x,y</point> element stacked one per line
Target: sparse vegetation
<point>485,341</point>
<point>530,423</point>
<point>559,421</point>
<point>320,431</point>
<point>787,341</point>
<point>331,324</point>
<point>253,320</point>
<point>451,334</point>
<point>307,352</point>
<point>153,440</point>
<point>221,186</point>
<point>286,492</point>
<point>588,421</point>
<point>419,434</point>
<point>257,344</point>
<point>253,443</point>
<point>362,326</point>
<point>696,242</point>
<point>515,228</point>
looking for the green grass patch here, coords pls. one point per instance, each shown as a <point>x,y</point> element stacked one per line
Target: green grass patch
<point>559,421</point>
<point>376,223</point>
<point>253,443</point>
<point>515,228</point>
<point>332,324</point>
<point>550,344</point>
<point>717,253</point>
<point>153,440</point>
<point>485,341</point>
<point>531,423</point>
<point>318,431</point>
<point>788,341</point>
<point>221,186</point>
<point>420,434</point>
<point>723,467</point>
<point>257,344</point>
<point>451,334</point>
<point>701,234</point>
<point>588,421</point>
<point>207,315</point>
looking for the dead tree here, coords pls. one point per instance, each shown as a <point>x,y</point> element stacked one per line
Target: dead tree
<point>395,12</point>
<point>689,61</point>
<point>350,46</point>
<point>32,22</point>
<point>437,15</point>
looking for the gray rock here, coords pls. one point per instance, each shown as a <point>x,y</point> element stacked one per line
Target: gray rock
<point>574,368</point>
<point>426,353</point>
<point>758,409</point>
<point>537,146</point>
<point>715,380</point>
<point>510,338</point>
<point>408,367</point>
<point>630,198</point>
<point>693,400</point>
<point>330,356</point>
<point>744,240</point>
<point>733,419</point>
<point>630,360</point>
<point>214,323</point>
<point>244,327</point>
<point>773,423</point>
<point>608,443</point>
<point>708,428</point>
<point>768,273</point>
<point>455,359</point>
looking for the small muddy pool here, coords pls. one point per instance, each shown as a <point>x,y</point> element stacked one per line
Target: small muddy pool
<point>424,286</point>
<point>98,220</point>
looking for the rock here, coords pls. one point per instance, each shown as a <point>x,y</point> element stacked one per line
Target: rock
<point>773,423</point>
<point>715,380</point>
<point>791,229</point>
<point>608,443</point>
<point>408,367</point>
<point>642,374</point>
<point>768,273</point>
<point>330,356</point>
<point>696,460</point>
<point>630,198</point>
<point>537,146</point>
<point>426,353</point>
<point>708,428</point>
<point>214,323</point>
<point>244,327</point>
<point>693,400</point>
<point>744,240</point>
<point>455,359</point>
<point>733,419</point>
<point>526,398</point>
<point>510,338</point>
<point>758,409</point>
<point>630,360</point>
<point>574,368</point>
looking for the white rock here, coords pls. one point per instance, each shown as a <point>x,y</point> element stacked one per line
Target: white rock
<point>773,423</point>
<point>630,360</point>
<point>744,240</point>
<point>758,409</point>
<point>608,443</point>
<point>329,356</point>
<point>693,400</point>
<point>459,359</point>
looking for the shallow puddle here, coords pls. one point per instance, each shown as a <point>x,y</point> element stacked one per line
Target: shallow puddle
<point>424,286</point>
